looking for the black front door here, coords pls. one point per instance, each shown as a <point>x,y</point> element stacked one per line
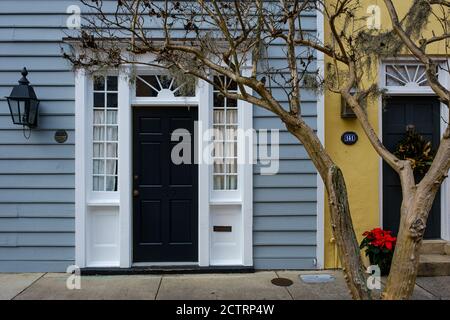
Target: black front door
<point>165,194</point>
<point>424,114</point>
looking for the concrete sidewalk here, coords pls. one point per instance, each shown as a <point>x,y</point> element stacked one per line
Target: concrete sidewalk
<point>44,286</point>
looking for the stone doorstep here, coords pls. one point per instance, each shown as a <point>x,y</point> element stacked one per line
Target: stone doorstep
<point>434,247</point>
<point>434,265</point>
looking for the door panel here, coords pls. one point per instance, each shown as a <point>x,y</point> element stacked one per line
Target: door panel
<point>165,194</point>
<point>424,114</point>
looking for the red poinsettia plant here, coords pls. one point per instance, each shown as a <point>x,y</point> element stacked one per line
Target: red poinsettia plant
<point>379,246</point>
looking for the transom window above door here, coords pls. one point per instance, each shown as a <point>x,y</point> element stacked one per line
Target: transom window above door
<point>163,86</point>
<point>405,75</point>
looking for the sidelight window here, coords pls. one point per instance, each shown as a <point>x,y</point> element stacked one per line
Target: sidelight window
<point>105,134</point>
<point>225,125</point>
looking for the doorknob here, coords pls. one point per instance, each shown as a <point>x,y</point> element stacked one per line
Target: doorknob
<point>136,193</point>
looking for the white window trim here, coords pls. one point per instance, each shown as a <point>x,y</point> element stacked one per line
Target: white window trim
<point>320,226</point>
<point>97,198</point>
<point>419,91</point>
<point>230,196</point>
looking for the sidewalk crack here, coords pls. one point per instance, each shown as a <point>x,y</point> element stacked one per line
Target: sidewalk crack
<point>286,288</point>
<point>426,290</point>
<point>39,278</point>
<point>159,286</point>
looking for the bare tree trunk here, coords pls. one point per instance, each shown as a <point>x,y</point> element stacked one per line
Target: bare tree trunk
<point>402,277</point>
<point>343,232</point>
<point>341,221</point>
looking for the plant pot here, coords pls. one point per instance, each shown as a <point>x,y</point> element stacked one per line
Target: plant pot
<point>383,261</point>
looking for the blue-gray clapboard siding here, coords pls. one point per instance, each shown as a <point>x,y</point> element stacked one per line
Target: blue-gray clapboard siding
<point>37,228</point>
<point>285,204</point>
<point>37,175</point>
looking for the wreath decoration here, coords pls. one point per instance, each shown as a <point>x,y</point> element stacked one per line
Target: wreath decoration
<point>417,150</point>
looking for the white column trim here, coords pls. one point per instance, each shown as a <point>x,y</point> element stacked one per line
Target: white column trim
<point>81,89</point>
<point>246,123</point>
<point>205,101</point>
<point>125,167</point>
<point>320,254</point>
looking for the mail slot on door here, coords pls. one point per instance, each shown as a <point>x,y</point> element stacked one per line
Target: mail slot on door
<point>222,228</point>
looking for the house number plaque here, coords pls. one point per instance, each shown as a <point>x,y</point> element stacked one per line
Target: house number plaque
<point>349,138</point>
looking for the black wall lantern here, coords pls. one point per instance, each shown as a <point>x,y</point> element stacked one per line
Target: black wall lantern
<point>346,110</point>
<point>23,103</point>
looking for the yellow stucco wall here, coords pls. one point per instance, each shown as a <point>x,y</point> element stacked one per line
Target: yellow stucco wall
<point>359,163</point>
<point>360,166</point>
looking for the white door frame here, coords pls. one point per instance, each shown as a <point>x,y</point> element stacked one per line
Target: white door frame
<point>118,205</point>
<point>126,165</point>
<point>408,91</point>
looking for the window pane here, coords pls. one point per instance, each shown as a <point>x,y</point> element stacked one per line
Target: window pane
<point>143,89</point>
<point>112,100</point>
<point>231,182</point>
<point>99,133</point>
<point>99,167</point>
<point>111,133</point>
<point>99,150</point>
<point>219,116</point>
<point>99,100</point>
<point>231,165</point>
<point>218,166</point>
<point>99,83</point>
<point>232,116</point>
<point>112,83</point>
<point>218,100</point>
<point>218,149</point>
<point>219,183</point>
<point>99,117</point>
<point>218,132</point>
<point>231,133</point>
<point>111,167</point>
<point>232,86</point>
<point>165,81</point>
<point>111,183</point>
<point>98,183</point>
<point>231,103</point>
<point>111,150</point>
<point>230,149</point>
<point>111,117</point>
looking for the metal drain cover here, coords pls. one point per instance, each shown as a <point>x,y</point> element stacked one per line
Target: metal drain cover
<point>282,282</point>
<point>316,278</point>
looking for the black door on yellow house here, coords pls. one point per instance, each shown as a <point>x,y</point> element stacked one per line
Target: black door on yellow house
<point>423,113</point>
<point>165,193</point>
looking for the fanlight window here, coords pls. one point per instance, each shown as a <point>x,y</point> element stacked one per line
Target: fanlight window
<point>405,75</point>
<point>162,86</point>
